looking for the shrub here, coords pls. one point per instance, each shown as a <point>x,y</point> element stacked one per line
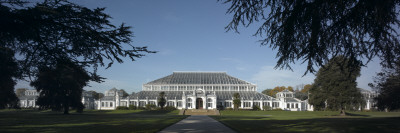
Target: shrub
<point>141,108</point>
<point>228,108</point>
<point>277,109</point>
<point>150,107</point>
<point>132,107</point>
<point>220,107</point>
<point>122,108</point>
<point>256,108</point>
<point>170,108</point>
<point>267,108</point>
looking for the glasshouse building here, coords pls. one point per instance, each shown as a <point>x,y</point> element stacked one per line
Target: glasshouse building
<point>201,90</point>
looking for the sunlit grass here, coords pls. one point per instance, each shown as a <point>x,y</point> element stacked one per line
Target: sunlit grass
<point>89,121</point>
<point>317,121</point>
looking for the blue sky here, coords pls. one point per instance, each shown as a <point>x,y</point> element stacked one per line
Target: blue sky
<point>190,36</point>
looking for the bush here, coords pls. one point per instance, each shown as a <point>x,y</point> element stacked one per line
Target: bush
<point>150,107</point>
<point>170,108</point>
<point>277,109</point>
<point>256,108</point>
<point>220,107</point>
<point>228,108</point>
<point>122,108</point>
<point>141,108</point>
<point>267,108</point>
<point>132,107</point>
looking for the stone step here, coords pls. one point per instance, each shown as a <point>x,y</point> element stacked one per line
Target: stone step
<point>200,112</point>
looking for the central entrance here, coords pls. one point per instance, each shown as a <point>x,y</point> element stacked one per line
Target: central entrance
<point>199,103</point>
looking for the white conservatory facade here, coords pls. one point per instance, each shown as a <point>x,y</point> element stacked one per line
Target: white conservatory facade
<point>201,90</point>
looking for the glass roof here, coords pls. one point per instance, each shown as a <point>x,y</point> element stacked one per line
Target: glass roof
<point>198,78</point>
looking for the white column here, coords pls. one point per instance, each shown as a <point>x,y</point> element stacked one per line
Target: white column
<point>127,103</point>
<point>184,102</point>
<point>176,103</point>
<point>241,103</point>
<point>262,104</point>
<point>204,102</point>
<point>156,101</point>
<point>215,102</point>
<point>100,104</point>
<point>34,103</point>
<point>137,102</point>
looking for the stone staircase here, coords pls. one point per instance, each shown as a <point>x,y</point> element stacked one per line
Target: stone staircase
<point>200,112</point>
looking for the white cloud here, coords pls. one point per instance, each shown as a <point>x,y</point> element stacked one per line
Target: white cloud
<point>268,77</point>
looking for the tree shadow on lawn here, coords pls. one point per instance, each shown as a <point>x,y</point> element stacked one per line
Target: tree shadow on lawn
<point>91,121</point>
<point>251,124</point>
<point>353,114</point>
<point>155,112</point>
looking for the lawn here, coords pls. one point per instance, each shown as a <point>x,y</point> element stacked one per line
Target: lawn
<point>89,121</point>
<point>323,121</point>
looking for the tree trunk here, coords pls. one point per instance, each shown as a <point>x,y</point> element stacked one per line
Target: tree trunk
<point>342,112</point>
<point>66,108</point>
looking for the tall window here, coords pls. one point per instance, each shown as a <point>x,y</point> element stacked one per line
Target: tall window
<point>123,103</point>
<point>189,103</point>
<point>209,103</point>
<point>142,103</point>
<point>102,104</point>
<point>170,103</point>
<point>288,105</point>
<point>246,104</point>
<point>111,104</point>
<point>217,88</point>
<point>266,104</point>
<point>275,104</point>
<point>179,103</point>
<point>228,104</point>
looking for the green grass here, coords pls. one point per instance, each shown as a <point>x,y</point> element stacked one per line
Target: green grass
<point>89,121</point>
<point>317,121</point>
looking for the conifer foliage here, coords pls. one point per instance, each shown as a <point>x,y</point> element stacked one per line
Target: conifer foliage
<point>161,100</point>
<point>61,86</point>
<point>236,101</point>
<point>8,71</point>
<point>335,87</point>
<point>53,36</point>
<point>313,31</point>
<point>387,84</point>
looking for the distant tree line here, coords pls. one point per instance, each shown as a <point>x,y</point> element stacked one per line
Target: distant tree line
<point>300,92</point>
